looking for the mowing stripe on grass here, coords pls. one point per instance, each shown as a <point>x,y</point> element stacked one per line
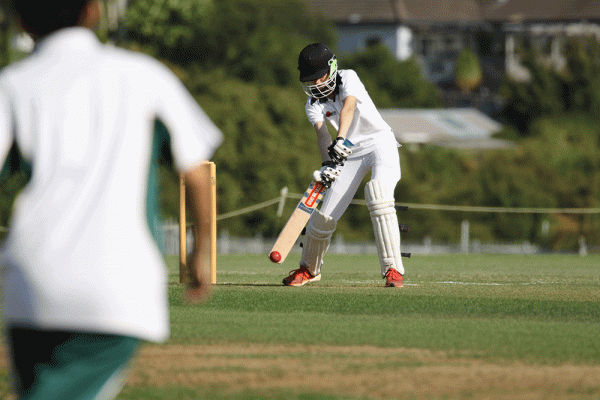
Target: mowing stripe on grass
<point>395,303</point>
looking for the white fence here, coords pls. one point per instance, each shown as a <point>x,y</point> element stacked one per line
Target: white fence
<point>227,244</point>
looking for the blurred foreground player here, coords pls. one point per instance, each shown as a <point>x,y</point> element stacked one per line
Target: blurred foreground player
<point>84,281</point>
<point>339,97</point>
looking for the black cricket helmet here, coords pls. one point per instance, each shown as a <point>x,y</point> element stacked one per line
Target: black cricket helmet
<point>315,61</point>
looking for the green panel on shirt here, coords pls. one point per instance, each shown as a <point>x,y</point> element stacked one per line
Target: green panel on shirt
<point>15,163</point>
<point>161,151</point>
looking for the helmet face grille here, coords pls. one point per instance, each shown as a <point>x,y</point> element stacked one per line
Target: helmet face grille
<point>323,89</point>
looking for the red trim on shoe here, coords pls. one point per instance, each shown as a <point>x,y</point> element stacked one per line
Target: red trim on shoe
<point>299,277</point>
<point>393,278</point>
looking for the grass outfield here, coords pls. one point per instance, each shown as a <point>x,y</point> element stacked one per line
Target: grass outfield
<point>463,327</point>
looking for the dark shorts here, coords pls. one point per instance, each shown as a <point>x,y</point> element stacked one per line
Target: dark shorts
<point>68,365</point>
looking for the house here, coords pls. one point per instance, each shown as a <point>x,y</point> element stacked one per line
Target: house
<point>435,31</point>
<point>432,31</point>
<point>528,25</point>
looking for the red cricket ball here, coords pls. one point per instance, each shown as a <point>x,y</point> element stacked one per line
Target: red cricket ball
<point>275,256</point>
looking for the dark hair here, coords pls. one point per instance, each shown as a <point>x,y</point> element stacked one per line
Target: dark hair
<point>41,17</point>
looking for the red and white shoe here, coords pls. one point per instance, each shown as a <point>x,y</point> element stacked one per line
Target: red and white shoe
<point>299,277</point>
<point>393,278</point>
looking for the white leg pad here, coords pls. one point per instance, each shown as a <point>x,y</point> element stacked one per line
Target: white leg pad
<point>319,230</point>
<point>385,224</point>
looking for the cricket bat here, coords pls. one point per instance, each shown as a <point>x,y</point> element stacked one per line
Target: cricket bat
<point>299,218</point>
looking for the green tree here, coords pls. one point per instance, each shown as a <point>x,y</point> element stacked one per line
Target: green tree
<point>556,167</point>
<point>568,145</point>
<point>4,41</point>
<point>468,71</point>
<point>575,89</point>
<point>253,40</point>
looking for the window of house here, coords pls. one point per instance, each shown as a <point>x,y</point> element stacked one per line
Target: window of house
<point>485,43</point>
<point>543,44</point>
<point>372,41</point>
<point>453,42</point>
<point>427,46</point>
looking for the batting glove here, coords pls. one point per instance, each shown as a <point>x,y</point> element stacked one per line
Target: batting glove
<point>327,174</point>
<point>338,152</point>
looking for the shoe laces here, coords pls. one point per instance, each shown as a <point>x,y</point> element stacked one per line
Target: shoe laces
<point>301,270</point>
<point>393,274</point>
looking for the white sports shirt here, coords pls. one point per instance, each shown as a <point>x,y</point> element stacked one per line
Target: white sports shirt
<point>367,124</point>
<point>80,253</point>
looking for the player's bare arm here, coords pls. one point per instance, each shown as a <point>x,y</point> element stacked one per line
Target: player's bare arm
<point>197,182</point>
<point>323,140</point>
<point>346,116</point>
<point>336,150</point>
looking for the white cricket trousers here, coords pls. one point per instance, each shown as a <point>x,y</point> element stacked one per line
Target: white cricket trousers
<point>382,160</point>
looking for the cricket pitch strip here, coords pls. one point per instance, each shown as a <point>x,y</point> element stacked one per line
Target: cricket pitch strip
<point>363,372</point>
<point>357,371</point>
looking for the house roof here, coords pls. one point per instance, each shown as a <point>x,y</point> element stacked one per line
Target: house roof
<point>455,11</point>
<point>393,11</point>
<point>455,127</point>
<point>536,10</point>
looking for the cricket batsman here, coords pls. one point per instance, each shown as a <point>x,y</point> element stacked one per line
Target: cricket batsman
<point>339,97</point>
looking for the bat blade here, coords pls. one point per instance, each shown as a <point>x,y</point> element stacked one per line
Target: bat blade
<point>298,220</point>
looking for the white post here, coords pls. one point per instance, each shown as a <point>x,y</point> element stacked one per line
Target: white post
<point>182,232</point>
<point>464,237</point>
<point>545,228</point>
<point>582,246</point>
<point>225,242</point>
<point>510,55</point>
<point>427,244</point>
<point>284,193</point>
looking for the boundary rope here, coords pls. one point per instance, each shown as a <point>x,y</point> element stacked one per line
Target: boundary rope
<point>416,206</point>
<point>249,209</point>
